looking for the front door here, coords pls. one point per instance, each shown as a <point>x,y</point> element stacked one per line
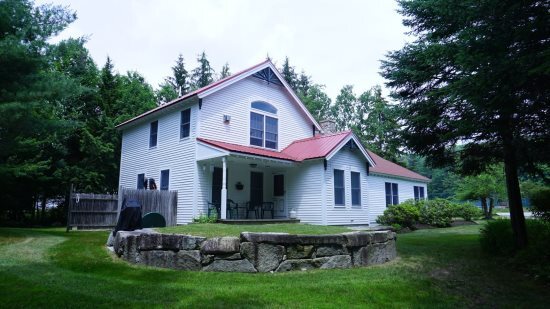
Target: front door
<point>279,196</point>
<point>217,185</point>
<point>256,187</point>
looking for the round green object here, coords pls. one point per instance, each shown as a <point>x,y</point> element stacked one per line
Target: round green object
<point>153,219</point>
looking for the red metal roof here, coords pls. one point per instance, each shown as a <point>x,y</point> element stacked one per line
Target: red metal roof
<point>386,167</point>
<point>318,147</point>
<point>315,147</point>
<point>192,93</point>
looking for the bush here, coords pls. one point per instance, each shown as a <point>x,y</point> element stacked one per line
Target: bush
<point>405,215</point>
<point>497,239</point>
<point>540,200</point>
<point>206,219</point>
<point>437,212</point>
<point>466,211</point>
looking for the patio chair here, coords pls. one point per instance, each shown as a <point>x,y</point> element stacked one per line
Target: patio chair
<point>267,206</point>
<point>253,206</point>
<point>214,206</point>
<point>232,208</point>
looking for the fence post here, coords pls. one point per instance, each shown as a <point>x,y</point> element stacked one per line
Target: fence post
<point>119,205</point>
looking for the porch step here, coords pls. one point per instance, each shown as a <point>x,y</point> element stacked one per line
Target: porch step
<point>257,221</point>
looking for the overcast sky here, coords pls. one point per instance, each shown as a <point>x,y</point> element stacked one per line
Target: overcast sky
<point>335,42</point>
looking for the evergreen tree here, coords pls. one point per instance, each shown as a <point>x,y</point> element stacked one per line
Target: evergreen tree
<point>289,75</point>
<point>225,71</point>
<point>317,102</point>
<point>203,74</point>
<point>180,79</point>
<point>303,83</point>
<point>478,75</point>
<point>165,93</point>
<point>376,124</point>
<point>344,109</point>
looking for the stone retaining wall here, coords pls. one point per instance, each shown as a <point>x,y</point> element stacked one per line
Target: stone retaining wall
<point>255,252</point>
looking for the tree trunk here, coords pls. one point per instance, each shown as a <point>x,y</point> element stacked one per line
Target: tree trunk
<point>484,207</point>
<point>43,214</point>
<point>514,195</point>
<point>491,206</point>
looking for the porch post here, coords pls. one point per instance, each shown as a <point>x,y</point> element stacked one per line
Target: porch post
<point>223,215</point>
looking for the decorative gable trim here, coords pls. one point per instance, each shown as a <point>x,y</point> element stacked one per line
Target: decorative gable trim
<point>351,137</point>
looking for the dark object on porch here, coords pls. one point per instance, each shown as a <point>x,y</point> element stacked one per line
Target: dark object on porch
<point>253,207</point>
<point>130,216</point>
<point>232,209</point>
<point>153,219</point>
<point>258,221</point>
<point>267,206</point>
<point>214,206</point>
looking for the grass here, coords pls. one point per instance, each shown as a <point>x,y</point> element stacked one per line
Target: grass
<point>213,229</point>
<point>439,268</point>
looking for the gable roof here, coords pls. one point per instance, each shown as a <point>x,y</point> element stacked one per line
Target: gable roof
<point>222,83</point>
<point>247,149</point>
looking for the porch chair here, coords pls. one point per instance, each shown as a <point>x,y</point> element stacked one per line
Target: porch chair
<point>267,206</point>
<point>214,206</point>
<point>232,207</point>
<point>253,206</point>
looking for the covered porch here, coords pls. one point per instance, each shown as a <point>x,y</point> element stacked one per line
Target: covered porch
<point>240,187</point>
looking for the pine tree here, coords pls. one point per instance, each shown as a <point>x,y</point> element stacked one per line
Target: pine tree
<point>289,74</point>
<point>180,79</point>
<point>344,109</point>
<point>303,83</point>
<point>203,74</point>
<point>225,71</point>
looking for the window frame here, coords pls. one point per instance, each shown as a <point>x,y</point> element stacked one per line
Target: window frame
<point>358,204</point>
<point>264,114</point>
<point>151,134</point>
<point>417,190</point>
<point>394,193</point>
<point>343,187</point>
<point>185,124</point>
<point>166,173</point>
<point>140,184</point>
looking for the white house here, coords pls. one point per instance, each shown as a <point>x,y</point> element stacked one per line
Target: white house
<point>249,139</point>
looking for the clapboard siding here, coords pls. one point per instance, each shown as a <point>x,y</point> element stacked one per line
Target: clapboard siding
<point>171,153</point>
<point>235,100</point>
<point>349,161</point>
<point>377,193</point>
<point>304,191</point>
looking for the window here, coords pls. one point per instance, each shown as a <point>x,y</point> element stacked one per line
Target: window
<point>391,194</point>
<point>153,132</point>
<point>264,129</point>
<point>164,179</point>
<point>418,193</point>
<point>263,106</point>
<point>355,189</point>
<point>140,181</point>
<point>185,123</point>
<point>339,189</point>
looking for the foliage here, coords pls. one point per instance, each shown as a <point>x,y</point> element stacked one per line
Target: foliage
<point>203,218</point>
<point>540,201</point>
<point>443,182</point>
<point>203,74</point>
<point>497,239</point>
<point>316,101</point>
<point>454,85</point>
<point>289,74</point>
<point>405,214</point>
<point>488,185</point>
<point>466,211</point>
<point>437,212</point>
<point>225,71</point>
<point>344,109</point>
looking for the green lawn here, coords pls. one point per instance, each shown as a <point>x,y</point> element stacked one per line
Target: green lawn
<point>437,268</point>
<point>213,230</point>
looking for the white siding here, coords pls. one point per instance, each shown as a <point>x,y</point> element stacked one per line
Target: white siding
<point>348,161</point>
<point>171,153</point>
<point>377,193</point>
<point>235,100</point>
<point>304,191</point>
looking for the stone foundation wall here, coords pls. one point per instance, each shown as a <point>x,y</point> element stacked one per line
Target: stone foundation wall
<point>256,252</point>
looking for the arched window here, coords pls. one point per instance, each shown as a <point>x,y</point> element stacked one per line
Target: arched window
<point>264,106</point>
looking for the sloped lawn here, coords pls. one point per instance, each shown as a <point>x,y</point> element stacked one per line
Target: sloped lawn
<point>213,230</point>
<point>440,268</point>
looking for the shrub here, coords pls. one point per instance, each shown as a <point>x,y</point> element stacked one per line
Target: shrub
<point>540,200</point>
<point>497,239</point>
<point>202,218</point>
<point>466,211</point>
<point>405,214</point>
<point>437,212</point>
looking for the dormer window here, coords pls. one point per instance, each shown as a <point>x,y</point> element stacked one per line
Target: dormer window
<point>264,125</point>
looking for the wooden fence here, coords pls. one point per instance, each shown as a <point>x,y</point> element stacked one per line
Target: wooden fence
<point>92,211</point>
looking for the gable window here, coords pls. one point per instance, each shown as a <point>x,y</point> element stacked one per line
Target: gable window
<point>153,132</point>
<point>185,123</point>
<point>355,189</point>
<point>391,194</point>
<point>140,181</point>
<point>339,188</point>
<point>264,127</point>
<point>164,179</point>
<point>418,193</point>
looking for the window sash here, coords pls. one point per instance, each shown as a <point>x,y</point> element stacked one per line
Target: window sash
<point>185,123</point>
<point>355,189</point>
<point>392,193</point>
<point>418,193</point>
<point>271,132</point>
<point>264,130</point>
<point>164,179</point>
<point>153,134</point>
<point>339,188</point>
<point>140,181</point>
<point>256,129</point>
